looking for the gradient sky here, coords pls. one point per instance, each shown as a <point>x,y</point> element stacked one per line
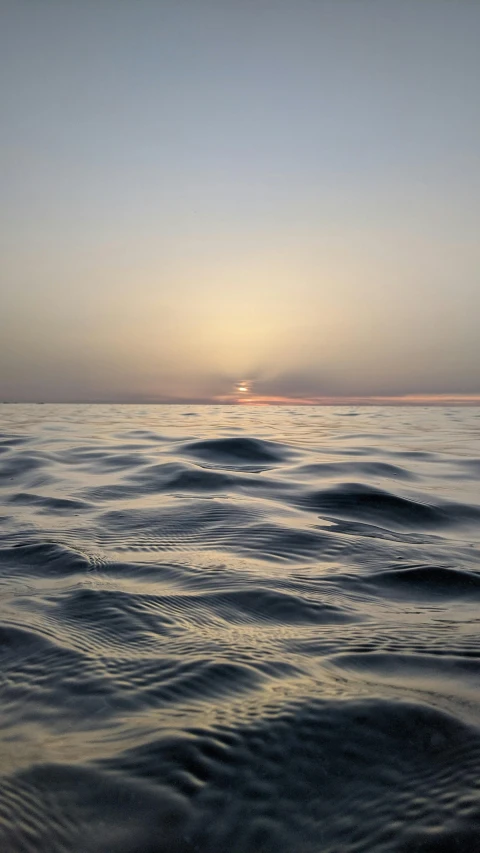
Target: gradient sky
<point>200,193</point>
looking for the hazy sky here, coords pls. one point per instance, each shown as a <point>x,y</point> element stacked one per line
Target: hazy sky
<point>197,193</point>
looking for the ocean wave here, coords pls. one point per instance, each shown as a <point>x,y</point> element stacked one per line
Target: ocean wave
<point>251,630</point>
<point>237,451</point>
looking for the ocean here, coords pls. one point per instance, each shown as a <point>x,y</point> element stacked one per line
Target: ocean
<point>234,629</point>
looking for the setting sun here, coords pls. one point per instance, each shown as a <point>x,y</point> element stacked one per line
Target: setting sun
<point>239,614</point>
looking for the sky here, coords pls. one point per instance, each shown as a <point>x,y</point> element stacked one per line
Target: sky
<point>240,200</point>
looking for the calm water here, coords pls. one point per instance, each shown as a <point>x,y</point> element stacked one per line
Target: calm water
<point>237,629</point>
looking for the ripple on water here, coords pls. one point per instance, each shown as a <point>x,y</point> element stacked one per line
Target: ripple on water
<point>240,630</point>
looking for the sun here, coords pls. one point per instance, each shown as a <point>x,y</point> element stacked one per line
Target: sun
<point>242,387</point>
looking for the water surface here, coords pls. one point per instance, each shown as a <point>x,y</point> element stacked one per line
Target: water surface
<point>252,630</point>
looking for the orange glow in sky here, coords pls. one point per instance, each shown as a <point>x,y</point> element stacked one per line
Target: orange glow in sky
<point>401,400</point>
<point>275,212</point>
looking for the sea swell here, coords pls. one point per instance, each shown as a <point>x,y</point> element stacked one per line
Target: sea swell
<point>249,630</point>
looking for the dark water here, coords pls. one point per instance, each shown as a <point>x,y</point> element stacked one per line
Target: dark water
<point>233,629</point>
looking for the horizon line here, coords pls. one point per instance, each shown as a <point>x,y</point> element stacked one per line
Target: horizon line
<point>460,400</point>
